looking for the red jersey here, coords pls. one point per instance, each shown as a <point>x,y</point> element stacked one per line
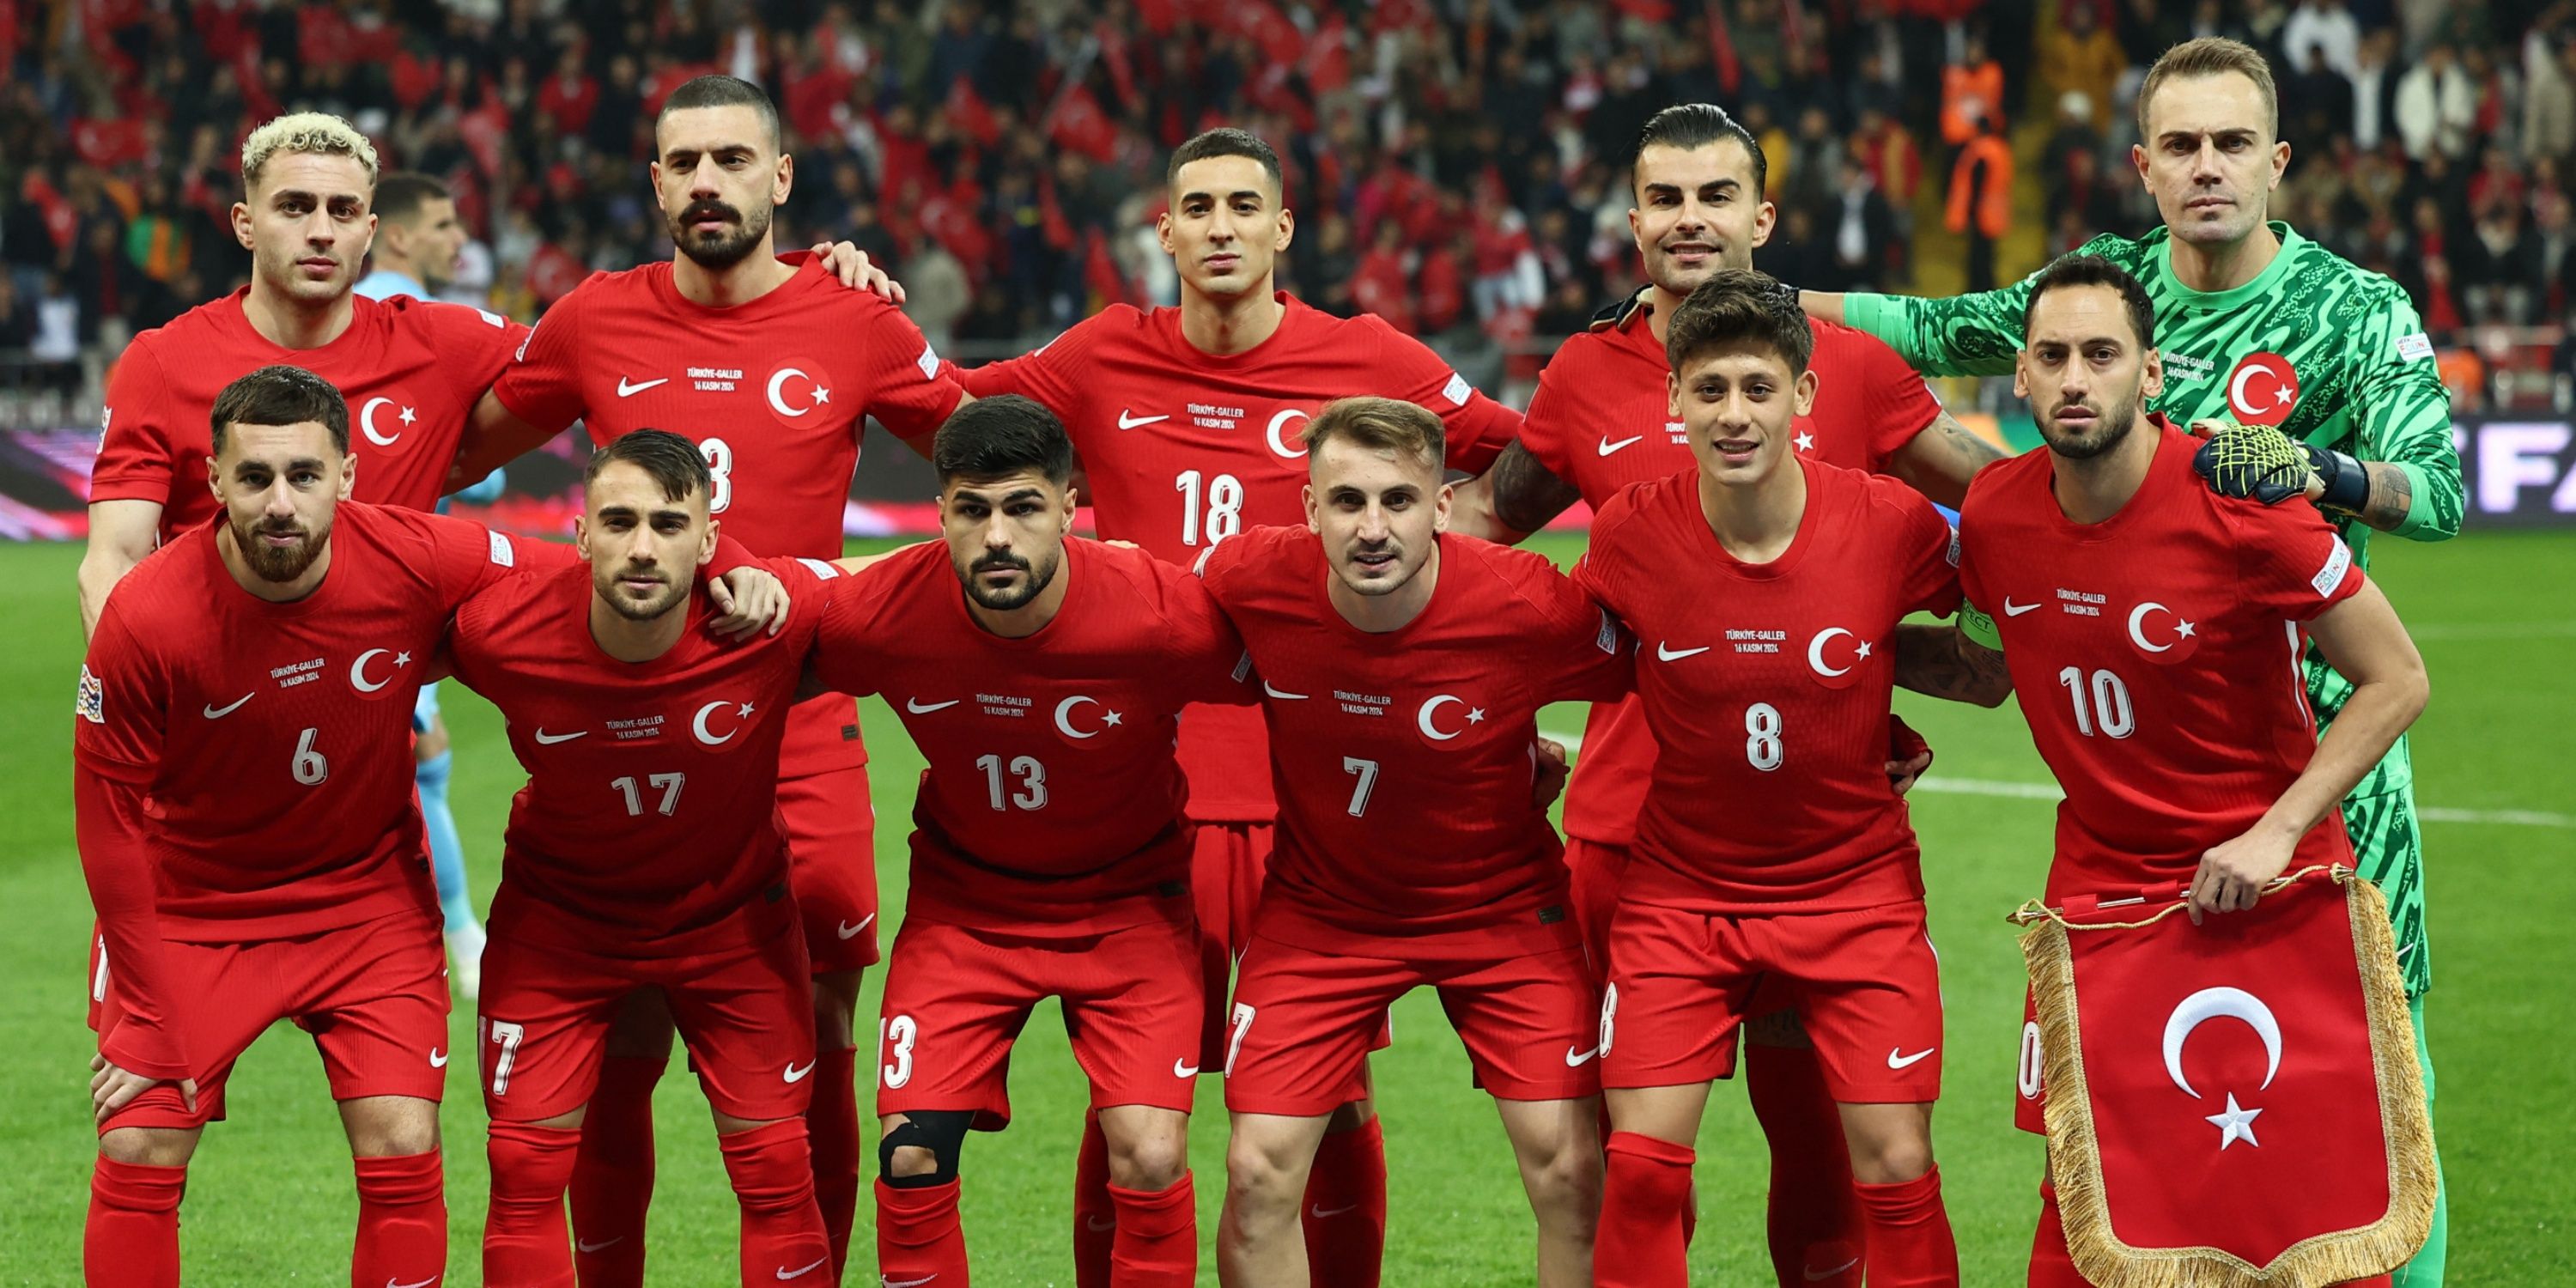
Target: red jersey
<point>1602,419</point>
<point>1052,804</point>
<point>2156,657</point>
<point>1184,449</point>
<point>1766,687</point>
<point>1404,761</point>
<point>411,371</point>
<point>775,391</point>
<point>650,806</point>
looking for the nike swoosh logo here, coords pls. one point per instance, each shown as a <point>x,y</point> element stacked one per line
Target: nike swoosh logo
<point>801,1271</point>
<point>1895,1061</point>
<point>1126,421</point>
<point>437,1059</point>
<point>217,713</point>
<point>626,390</point>
<point>586,1245</point>
<point>1667,653</point>
<point>917,707</point>
<point>1098,1226</point>
<point>910,1283</point>
<point>1574,1059</point>
<point>545,739</point>
<point>2012,609</point>
<point>847,931</point>
<point>1322,1213</point>
<point>1819,1276</point>
<point>391,1282</point>
<point>1608,447</point>
<point>795,1074</point>
<point>1183,1069</point>
<point>1274,691</point>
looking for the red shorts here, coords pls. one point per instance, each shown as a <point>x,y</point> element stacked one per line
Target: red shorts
<point>1228,862</point>
<point>956,998</point>
<point>374,997</point>
<point>1865,985</point>
<point>832,865</point>
<point>1303,1022</point>
<point>744,1005</point>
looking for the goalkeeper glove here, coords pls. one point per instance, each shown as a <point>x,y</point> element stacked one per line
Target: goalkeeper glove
<point>2254,461</point>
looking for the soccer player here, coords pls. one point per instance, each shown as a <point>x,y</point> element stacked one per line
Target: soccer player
<point>1601,420</point>
<point>245,823</point>
<point>1402,671</point>
<point>417,239</point>
<point>1772,849</point>
<point>2146,622</point>
<point>642,853</point>
<point>1042,676</point>
<point>1187,421</point>
<point>772,370</point>
<point>2264,327</point>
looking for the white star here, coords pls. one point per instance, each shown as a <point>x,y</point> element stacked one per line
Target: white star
<point>746,710</point>
<point>402,659</point>
<point>409,415</point>
<point>1109,721</point>
<point>1806,442</point>
<point>2282,395</point>
<point>821,395</point>
<point>1475,715</point>
<point>2235,1124</point>
<point>2183,631</point>
<point>1864,652</point>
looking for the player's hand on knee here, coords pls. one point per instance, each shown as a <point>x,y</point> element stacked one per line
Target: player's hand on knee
<point>112,1088</point>
<point>748,600</point>
<point>850,264</point>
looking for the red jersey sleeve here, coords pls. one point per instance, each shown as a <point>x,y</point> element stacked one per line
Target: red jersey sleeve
<point>1578,649</point>
<point>116,744</point>
<point>542,384</point>
<point>1477,426</point>
<point>1544,428</point>
<point>1930,550</point>
<point>910,390</point>
<point>2289,560</point>
<point>1046,375</point>
<point>1596,574</point>
<point>1207,658</point>
<point>134,450</point>
<point>1900,404</point>
<point>845,656</point>
<point>465,556</point>
<point>477,345</point>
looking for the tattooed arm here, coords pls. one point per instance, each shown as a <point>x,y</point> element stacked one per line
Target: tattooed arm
<point>1513,499</point>
<point>1942,662</point>
<point>1939,461</point>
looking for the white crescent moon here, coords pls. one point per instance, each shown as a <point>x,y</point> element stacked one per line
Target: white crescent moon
<point>2138,637</point>
<point>1423,720</point>
<point>367,422</point>
<point>778,379</point>
<point>2236,387</point>
<point>1279,444</point>
<point>1816,651</point>
<point>1064,716</point>
<point>358,672</point>
<point>698,725</point>
<point>2210,1004</point>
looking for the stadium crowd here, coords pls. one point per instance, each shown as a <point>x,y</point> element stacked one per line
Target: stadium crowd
<point>1456,163</point>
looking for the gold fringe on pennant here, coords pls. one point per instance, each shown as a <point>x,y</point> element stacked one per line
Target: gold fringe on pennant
<point>2074,1151</point>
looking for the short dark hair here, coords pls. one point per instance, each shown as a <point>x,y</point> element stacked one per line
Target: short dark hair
<point>722,91</point>
<point>993,438</point>
<point>1697,125</point>
<point>1226,141</point>
<point>400,196</point>
<point>282,395</point>
<point>2093,270</point>
<point>1381,424</point>
<point>1738,305</point>
<point>665,457</point>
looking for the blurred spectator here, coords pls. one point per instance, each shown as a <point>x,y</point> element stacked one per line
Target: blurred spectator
<point>1863,233</point>
<point>2549,96</point>
<point>1972,93</point>
<point>2082,57</point>
<point>2374,90</point>
<point>2327,28</point>
<point>2436,106</point>
<point>1981,200</point>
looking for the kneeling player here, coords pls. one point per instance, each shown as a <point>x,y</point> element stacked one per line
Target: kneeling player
<point>1050,855</point>
<point>1772,848</point>
<point>643,854</point>
<point>1402,672</point>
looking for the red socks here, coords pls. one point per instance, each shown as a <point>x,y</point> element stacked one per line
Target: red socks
<point>1157,1237</point>
<point>1642,1205</point>
<point>525,1244</point>
<point>782,1233</point>
<point>132,1238</point>
<point>1345,1215</point>
<point>1909,1235</point>
<point>612,1184</point>
<point>1815,1220</point>
<point>832,1133</point>
<point>402,1221</point>
<point>918,1236</point>
<point>1095,1213</point>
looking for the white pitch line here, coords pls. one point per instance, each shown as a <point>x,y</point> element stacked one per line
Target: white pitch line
<point>2050,792</point>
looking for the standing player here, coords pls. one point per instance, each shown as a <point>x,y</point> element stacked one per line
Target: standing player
<point>1050,854</point>
<point>1601,420</point>
<point>771,369</point>
<point>2264,327</point>
<point>245,823</point>
<point>1769,683</point>
<point>2182,757</point>
<point>1402,672</point>
<point>642,853</point>
<point>1187,421</point>
<point>418,238</point>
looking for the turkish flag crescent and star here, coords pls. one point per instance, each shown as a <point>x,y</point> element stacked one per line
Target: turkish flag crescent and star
<point>2234,1103</point>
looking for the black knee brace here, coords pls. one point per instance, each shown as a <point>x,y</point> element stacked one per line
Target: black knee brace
<point>941,1131</point>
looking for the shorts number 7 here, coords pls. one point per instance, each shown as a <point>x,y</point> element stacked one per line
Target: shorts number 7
<point>508,1035</point>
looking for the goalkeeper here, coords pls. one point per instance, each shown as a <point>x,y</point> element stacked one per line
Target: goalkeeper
<point>2260,327</point>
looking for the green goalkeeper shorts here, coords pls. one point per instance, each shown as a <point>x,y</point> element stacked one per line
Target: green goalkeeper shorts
<point>2388,848</point>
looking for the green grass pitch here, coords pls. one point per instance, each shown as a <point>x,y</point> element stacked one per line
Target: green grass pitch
<point>270,1199</point>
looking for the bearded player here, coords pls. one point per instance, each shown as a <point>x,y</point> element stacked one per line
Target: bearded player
<point>772,369</point>
<point>1042,676</point>
<point>1402,671</point>
<point>245,822</point>
<point>1188,424</point>
<point>1601,421</point>
<point>2160,708</point>
<point>643,853</point>
<point>2264,327</point>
